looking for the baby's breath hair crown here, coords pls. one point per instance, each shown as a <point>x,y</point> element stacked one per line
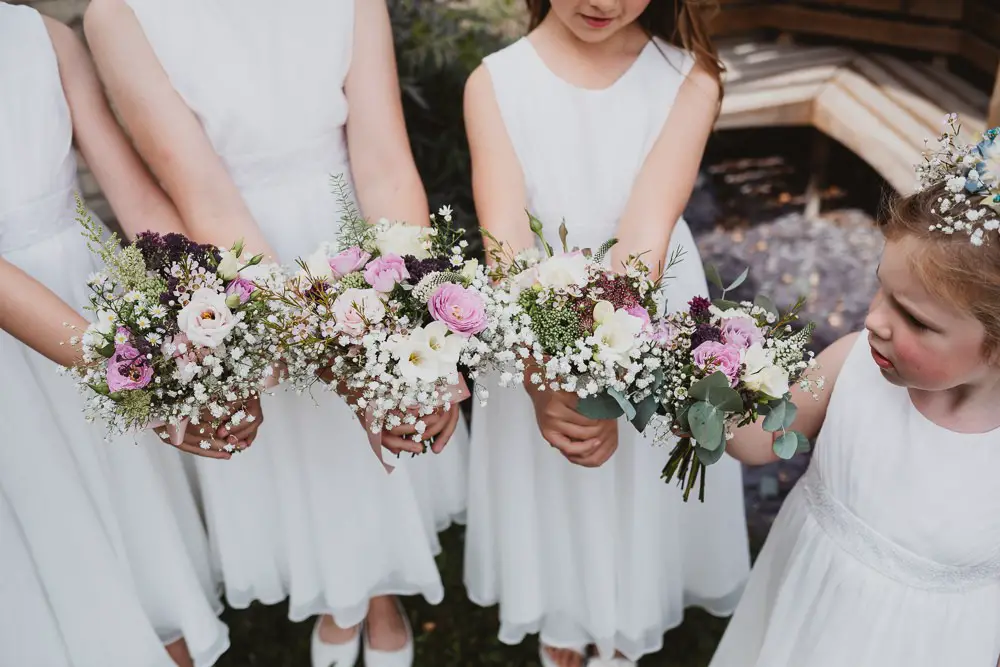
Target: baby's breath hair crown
<point>970,175</point>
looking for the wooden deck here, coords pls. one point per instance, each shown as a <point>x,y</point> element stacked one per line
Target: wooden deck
<point>880,107</point>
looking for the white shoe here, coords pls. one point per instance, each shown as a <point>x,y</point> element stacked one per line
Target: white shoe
<point>547,661</point>
<point>333,655</point>
<point>401,658</point>
<point>614,662</point>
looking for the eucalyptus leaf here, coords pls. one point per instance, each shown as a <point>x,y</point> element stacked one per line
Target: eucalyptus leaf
<point>786,446</point>
<point>626,405</point>
<point>709,456</point>
<point>707,425</point>
<point>725,304</point>
<point>644,411</point>
<point>713,276</point>
<point>725,399</point>
<point>600,406</point>
<point>790,412</point>
<point>739,280</point>
<point>804,444</point>
<point>702,387</point>
<point>766,304</point>
<point>775,419</point>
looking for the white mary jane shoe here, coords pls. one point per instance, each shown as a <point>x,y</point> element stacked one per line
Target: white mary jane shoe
<point>547,661</point>
<point>333,655</point>
<point>401,658</point>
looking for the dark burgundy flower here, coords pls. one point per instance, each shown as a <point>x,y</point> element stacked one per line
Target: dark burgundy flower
<point>418,268</point>
<point>618,290</point>
<point>705,332</point>
<point>699,308</point>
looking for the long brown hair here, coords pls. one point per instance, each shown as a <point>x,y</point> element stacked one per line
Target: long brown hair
<point>682,23</point>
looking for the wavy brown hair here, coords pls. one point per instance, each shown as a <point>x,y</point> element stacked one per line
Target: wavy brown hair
<point>682,23</point>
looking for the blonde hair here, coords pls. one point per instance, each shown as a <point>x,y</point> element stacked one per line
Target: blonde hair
<point>948,265</point>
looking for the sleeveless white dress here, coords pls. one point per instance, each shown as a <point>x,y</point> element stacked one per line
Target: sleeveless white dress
<point>612,555</point>
<point>887,552</point>
<point>103,557</point>
<point>308,513</point>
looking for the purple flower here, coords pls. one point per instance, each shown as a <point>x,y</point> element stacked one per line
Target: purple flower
<point>348,261</point>
<point>384,272</point>
<point>242,288</point>
<point>462,310</point>
<point>699,308</point>
<point>641,313</point>
<point>418,268</point>
<point>703,333</point>
<point>664,332</point>
<point>741,333</point>
<point>714,356</point>
<point>128,369</point>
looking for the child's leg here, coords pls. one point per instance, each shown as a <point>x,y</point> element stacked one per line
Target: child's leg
<point>178,652</point>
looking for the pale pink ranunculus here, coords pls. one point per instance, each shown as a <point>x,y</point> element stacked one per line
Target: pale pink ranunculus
<point>348,261</point>
<point>714,356</point>
<point>127,369</point>
<point>382,273</point>
<point>356,309</point>
<point>641,313</point>
<point>461,309</point>
<point>741,333</point>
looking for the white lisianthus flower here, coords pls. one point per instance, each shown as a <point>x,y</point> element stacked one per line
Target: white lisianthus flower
<point>399,238</point>
<point>761,374</point>
<point>105,321</point>
<point>563,271</point>
<point>206,319</point>
<point>416,359</point>
<point>618,334</point>
<point>318,264</point>
<point>228,267</point>
<point>446,345</point>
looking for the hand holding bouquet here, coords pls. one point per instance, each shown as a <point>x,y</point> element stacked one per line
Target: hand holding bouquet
<point>729,364</point>
<point>181,335</point>
<point>388,315</point>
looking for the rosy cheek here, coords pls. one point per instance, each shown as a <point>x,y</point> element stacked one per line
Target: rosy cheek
<point>922,365</point>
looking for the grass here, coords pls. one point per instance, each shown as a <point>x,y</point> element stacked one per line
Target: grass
<point>455,633</point>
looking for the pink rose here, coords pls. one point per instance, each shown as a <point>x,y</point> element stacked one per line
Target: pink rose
<point>462,310</point>
<point>356,309</point>
<point>713,356</point>
<point>242,288</point>
<point>641,313</point>
<point>348,261</point>
<point>741,333</point>
<point>384,272</point>
<point>127,368</point>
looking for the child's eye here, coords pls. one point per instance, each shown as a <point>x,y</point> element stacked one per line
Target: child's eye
<point>917,324</point>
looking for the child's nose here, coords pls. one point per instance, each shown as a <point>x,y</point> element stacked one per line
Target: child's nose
<point>876,321</point>
<point>604,6</point>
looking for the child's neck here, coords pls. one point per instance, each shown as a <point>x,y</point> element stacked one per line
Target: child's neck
<point>971,408</point>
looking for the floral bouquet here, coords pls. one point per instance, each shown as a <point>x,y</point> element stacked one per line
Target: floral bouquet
<point>730,363</point>
<point>586,329</point>
<point>388,315</point>
<point>181,333</point>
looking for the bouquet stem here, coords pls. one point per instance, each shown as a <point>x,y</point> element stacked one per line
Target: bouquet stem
<point>685,464</point>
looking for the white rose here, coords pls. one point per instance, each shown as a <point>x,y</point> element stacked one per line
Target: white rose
<point>761,374</point>
<point>229,265</point>
<point>105,321</point>
<point>206,320</point>
<point>356,309</point>
<point>469,269</point>
<point>617,334</point>
<point>401,239</point>
<point>563,271</point>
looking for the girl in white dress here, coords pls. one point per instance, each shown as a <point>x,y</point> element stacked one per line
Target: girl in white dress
<point>244,110</point>
<point>598,116</point>
<point>887,552</point>
<point>103,557</point>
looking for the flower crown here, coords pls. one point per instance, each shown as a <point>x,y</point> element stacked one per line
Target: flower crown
<point>971,176</point>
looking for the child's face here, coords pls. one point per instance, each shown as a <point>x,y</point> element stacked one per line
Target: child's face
<point>919,340</point>
<point>597,20</point>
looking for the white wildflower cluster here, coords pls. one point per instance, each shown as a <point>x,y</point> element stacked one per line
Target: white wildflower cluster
<point>970,176</point>
<point>180,333</point>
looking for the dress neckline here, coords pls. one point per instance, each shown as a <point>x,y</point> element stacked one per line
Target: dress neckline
<point>594,91</point>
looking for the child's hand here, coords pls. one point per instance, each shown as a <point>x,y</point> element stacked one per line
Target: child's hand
<point>236,437</point>
<point>243,433</point>
<point>583,441</point>
<point>440,426</point>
